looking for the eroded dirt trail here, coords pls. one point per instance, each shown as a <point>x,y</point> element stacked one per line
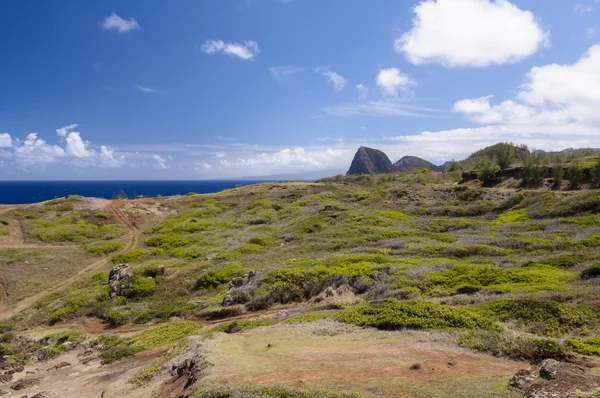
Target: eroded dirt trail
<point>87,270</point>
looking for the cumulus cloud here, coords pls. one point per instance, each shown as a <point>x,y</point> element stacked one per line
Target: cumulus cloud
<point>35,150</point>
<point>5,140</point>
<point>470,33</point>
<point>118,24</point>
<point>78,148</point>
<point>392,82</point>
<point>161,162</point>
<point>107,158</point>
<point>246,50</point>
<point>63,131</point>
<point>552,94</point>
<point>338,82</point>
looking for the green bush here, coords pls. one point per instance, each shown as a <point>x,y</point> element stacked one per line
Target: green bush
<point>4,222</point>
<point>164,334</point>
<point>216,277</point>
<point>513,347</point>
<point>513,216</point>
<point>392,314</point>
<point>260,240</point>
<point>544,317</point>
<point>141,287</point>
<point>590,346</point>
<point>104,248</point>
<point>128,257</point>
<point>4,231</point>
<point>117,353</point>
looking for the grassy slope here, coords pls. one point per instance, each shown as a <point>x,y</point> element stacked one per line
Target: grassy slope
<point>506,264</point>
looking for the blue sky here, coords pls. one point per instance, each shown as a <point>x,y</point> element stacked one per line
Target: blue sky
<point>219,89</point>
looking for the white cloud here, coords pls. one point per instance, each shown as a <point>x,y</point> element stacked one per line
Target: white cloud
<point>582,8</point>
<point>281,72</point>
<point>246,51</point>
<point>5,140</point>
<point>118,24</point>
<point>148,90</point>
<point>78,148</point>
<point>161,162</point>
<point>220,154</point>
<point>473,33</point>
<point>362,92</point>
<point>339,83</point>
<point>296,158</point>
<point>205,165</point>
<point>63,131</point>
<point>35,150</point>
<point>107,158</point>
<point>391,81</point>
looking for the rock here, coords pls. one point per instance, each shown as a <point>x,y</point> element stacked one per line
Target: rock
<point>236,282</point>
<point>44,354</point>
<point>370,161</point>
<point>185,376</point>
<point>161,271</point>
<point>251,275</point>
<point>415,366</point>
<point>120,276</point>
<point>59,366</point>
<point>25,384</point>
<point>522,379</point>
<point>4,392</point>
<point>227,300</point>
<point>69,345</point>
<point>559,380</point>
<point>549,368</point>
<point>42,394</point>
<point>6,378</point>
<point>413,162</point>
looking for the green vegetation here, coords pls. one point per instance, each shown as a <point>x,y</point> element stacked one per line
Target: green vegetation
<point>103,248</point>
<point>590,346</point>
<point>392,314</point>
<point>164,334</point>
<point>128,257</point>
<point>73,227</point>
<point>117,353</point>
<point>214,278</point>
<point>591,272</point>
<point>267,392</point>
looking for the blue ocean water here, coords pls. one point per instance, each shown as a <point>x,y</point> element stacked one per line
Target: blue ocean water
<point>18,192</point>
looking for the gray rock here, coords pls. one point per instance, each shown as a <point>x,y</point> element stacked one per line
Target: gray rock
<point>120,276</point>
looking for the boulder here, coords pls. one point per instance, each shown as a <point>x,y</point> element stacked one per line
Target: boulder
<point>559,380</point>
<point>120,276</point>
<point>25,384</point>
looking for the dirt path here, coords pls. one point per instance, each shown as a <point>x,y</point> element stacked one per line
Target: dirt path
<point>113,207</point>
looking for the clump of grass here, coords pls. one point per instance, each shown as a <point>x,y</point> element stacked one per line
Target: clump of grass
<point>545,317</point>
<point>128,257</point>
<point>590,346</point>
<point>4,231</point>
<point>564,261</point>
<point>4,221</point>
<point>164,334</point>
<point>392,314</point>
<point>117,353</point>
<point>217,277</point>
<point>513,347</point>
<point>103,248</point>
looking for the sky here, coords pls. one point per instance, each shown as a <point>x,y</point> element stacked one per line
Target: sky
<point>212,89</point>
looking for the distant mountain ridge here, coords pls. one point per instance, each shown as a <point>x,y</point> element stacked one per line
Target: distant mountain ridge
<point>373,161</point>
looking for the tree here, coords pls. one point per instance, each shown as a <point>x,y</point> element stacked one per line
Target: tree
<point>558,174</point>
<point>534,169</point>
<point>505,155</point>
<point>486,169</point>
<point>575,174</point>
<point>595,172</point>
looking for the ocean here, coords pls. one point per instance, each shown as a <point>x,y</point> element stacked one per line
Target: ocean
<point>20,192</point>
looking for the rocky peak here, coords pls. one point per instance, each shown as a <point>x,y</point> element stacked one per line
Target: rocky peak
<point>370,161</point>
<point>413,162</point>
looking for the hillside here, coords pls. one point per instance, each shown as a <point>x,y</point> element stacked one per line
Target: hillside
<point>370,161</point>
<point>402,284</point>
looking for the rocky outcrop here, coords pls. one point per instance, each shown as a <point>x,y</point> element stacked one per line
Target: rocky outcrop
<point>558,379</point>
<point>238,289</point>
<point>413,162</point>
<point>119,278</point>
<point>370,161</point>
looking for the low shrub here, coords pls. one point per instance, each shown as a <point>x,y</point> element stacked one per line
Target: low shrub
<point>128,257</point>
<point>590,346</point>
<point>162,335</point>
<point>513,347</point>
<point>513,216</point>
<point>392,314</point>
<point>102,248</point>
<point>216,277</point>
<point>113,354</point>
<point>141,287</point>
<point>545,317</point>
